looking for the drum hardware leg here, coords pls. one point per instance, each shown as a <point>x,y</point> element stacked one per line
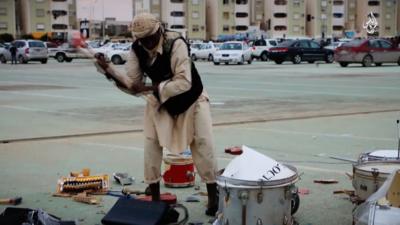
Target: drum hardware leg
<point>155,191</point>
<point>244,197</point>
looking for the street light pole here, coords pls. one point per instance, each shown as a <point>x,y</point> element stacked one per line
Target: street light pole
<point>103,23</point>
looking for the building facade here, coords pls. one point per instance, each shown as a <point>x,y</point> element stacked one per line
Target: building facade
<point>286,18</point>
<point>7,17</point>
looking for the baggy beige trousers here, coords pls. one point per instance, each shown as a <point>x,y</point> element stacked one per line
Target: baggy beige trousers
<point>202,148</point>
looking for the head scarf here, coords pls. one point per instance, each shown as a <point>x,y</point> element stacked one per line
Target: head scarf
<point>144,25</point>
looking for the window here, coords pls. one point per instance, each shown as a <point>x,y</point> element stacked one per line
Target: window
<point>314,45</point>
<point>388,16</point>
<point>59,26</point>
<point>385,44</point>
<point>195,14</point>
<point>40,26</point>
<point>226,15</point>
<point>302,44</point>
<point>195,28</point>
<point>195,2</point>
<point>177,1</point>
<point>40,12</point>
<point>280,28</point>
<point>3,11</point>
<point>352,5</point>
<point>280,2</point>
<point>225,28</point>
<point>337,28</point>
<point>156,2</point>
<point>389,4</point>
<point>296,16</point>
<point>337,15</point>
<point>296,28</point>
<point>374,44</point>
<point>177,13</point>
<point>241,15</point>
<point>241,2</point>
<point>324,3</point>
<point>296,3</point>
<point>39,0</point>
<point>373,2</point>
<point>261,42</point>
<point>337,2</point>
<point>352,17</point>
<point>177,26</point>
<point>3,26</point>
<point>280,15</point>
<point>241,28</point>
<point>225,2</point>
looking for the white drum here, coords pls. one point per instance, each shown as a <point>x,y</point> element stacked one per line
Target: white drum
<point>261,194</point>
<point>368,176</point>
<point>379,155</point>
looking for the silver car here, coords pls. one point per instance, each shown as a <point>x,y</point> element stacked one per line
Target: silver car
<point>31,50</point>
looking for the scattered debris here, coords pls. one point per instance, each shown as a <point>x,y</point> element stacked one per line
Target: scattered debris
<point>84,198</point>
<point>197,187</point>
<point>192,198</point>
<point>303,191</point>
<point>326,181</point>
<point>11,201</point>
<point>235,150</point>
<point>344,191</point>
<point>201,193</point>
<point>123,178</point>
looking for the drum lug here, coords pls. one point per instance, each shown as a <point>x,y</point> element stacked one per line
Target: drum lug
<point>260,195</point>
<point>244,196</point>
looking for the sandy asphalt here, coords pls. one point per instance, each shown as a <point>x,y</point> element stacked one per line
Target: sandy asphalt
<point>62,117</point>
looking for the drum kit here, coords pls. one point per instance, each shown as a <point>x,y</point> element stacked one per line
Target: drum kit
<point>373,168</point>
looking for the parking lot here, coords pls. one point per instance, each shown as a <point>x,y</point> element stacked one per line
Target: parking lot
<point>62,117</point>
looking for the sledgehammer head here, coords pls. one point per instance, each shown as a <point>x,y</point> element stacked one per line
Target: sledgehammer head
<point>11,201</point>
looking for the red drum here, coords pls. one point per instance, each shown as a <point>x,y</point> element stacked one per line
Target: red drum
<point>179,171</point>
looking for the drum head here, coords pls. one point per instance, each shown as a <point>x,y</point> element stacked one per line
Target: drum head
<point>382,167</point>
<point>389,154</point>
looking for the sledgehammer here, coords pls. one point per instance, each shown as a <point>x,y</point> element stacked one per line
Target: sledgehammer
<point>10,201</point>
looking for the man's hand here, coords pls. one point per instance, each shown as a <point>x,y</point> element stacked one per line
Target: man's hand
<point>101,63</point>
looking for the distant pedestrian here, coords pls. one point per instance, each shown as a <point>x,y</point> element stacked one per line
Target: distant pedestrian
<point>13,51</point>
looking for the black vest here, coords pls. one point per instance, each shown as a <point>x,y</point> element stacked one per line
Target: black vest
<point>160,71</point>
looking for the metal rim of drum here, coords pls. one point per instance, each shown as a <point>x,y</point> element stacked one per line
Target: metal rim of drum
<point>371,163</point>
<point>263,183</point>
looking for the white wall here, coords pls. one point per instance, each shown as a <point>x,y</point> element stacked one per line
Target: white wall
<point>121,10</point>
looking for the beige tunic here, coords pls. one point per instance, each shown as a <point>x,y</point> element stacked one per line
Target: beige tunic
<point>173,134</point>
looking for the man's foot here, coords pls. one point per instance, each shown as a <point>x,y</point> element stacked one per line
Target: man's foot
<point>212,207</point>
<point>212,210</point>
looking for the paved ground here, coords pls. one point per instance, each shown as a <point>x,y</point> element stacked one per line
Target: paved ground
<point>58,118</point>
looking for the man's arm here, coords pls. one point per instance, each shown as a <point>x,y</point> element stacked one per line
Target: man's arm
<point>182,77</point>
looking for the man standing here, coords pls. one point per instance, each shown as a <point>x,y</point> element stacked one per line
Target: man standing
<point>177,113</point>
<point>13,51</point>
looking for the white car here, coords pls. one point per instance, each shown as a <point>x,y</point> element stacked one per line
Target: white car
<point>108,47</point>
<point>203,51</point>
<point>233,52</point>
<point>119,56</point>
<point>261,48</point>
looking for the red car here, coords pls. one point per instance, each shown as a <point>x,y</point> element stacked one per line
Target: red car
<point>367,52</point>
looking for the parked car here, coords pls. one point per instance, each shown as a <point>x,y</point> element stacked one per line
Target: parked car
<point>367,52</point>
<point>300,50</point>
<point>31,50</point>
<point>203,51</point>
<point>5,54</point>
<point>65,52</point>
<point>261,48</point>
<point>108,47</point>
<point>233,52</point>
<point>118,56</point>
